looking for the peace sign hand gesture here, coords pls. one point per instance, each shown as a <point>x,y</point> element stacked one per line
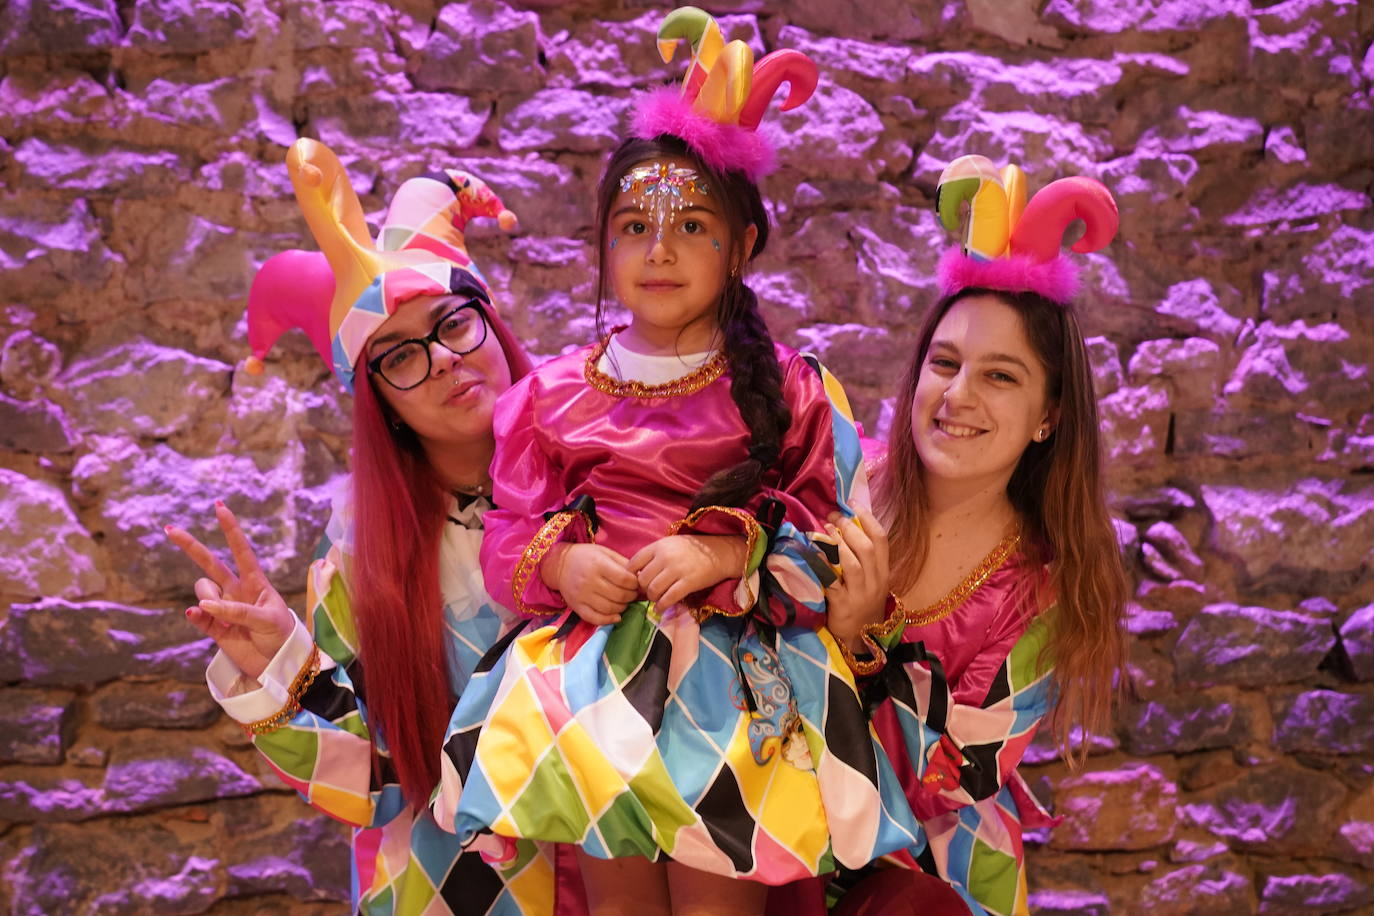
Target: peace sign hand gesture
<point>242,613</point>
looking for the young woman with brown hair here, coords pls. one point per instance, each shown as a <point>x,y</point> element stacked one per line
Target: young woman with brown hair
<point>1006,576</point>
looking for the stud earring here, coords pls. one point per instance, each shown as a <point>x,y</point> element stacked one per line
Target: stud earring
<point>1041,433</point>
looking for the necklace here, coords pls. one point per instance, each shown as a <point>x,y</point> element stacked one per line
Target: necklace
<point>972,582</point>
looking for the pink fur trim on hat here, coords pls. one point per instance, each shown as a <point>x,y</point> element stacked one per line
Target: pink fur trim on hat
<point>1056,280</point>
<point>724,147</point>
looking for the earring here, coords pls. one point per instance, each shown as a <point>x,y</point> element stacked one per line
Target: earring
<point>1041,433</point>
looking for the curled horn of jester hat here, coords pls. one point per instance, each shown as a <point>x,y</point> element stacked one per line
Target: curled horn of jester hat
<point>1013,244</point>
<point>723,96</point>
<point>341,294</point>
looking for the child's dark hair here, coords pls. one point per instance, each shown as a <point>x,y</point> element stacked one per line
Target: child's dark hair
<point>755,377</point>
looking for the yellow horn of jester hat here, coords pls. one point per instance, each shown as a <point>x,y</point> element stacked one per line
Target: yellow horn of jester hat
<point>340,295</point>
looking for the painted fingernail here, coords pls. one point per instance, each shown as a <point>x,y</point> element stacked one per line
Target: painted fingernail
<point>219,504</point>
<point>166,529</point>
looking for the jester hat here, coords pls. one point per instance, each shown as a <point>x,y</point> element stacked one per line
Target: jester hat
<point>1011,243</point>
<point>342,293</point>
<point>717,109</point>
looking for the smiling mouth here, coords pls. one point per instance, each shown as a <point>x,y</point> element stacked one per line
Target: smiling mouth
<point>957,430</point>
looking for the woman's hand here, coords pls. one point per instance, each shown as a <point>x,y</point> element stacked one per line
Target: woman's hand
<point>243,614</point>
<point>595,581</point>
<point>674,567</point>
<point>859,596</point>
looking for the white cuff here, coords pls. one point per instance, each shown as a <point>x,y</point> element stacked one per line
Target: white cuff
<point>247,700</point>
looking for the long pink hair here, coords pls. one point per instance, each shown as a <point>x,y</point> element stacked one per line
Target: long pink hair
<point>399,511</point>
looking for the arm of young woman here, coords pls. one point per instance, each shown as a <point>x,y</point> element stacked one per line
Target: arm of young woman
<point>963,745</point>
<point>291,691</point>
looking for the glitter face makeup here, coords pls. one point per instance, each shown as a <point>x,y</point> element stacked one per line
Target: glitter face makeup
<point>715,243</point>
<point>659,189</point>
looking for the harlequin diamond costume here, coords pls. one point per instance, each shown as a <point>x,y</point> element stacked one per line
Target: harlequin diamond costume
<point>962,691</point>
<point>724,733</point>
<point>308,712</point>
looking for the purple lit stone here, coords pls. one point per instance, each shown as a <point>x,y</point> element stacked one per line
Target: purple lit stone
<point>281,516</point>
<point>1281,145</point>
<point>1158,181</point>
<point>339,24</point>
<point>1106,364</point>
<point>549,198</point>
<point>1242,434</point>
<point>1197,305</point>
<point>1310,533</point>
<point>100,170</point>
<point>564,119</point>
<point>35,725</point>
<point>619,55</point>
<point>857,353</point>
<point>54,98</point>
<point>309,860</point>
<point>902,20</point>
<point>1135,422</point>
<point>1175,548</point>
<point>1143,15</point>
<point>127,866</point>
<point>145,774</point>
<point>1162,502</point>
<point>1128,808</point>
<point>1300,201</point>
<point>62,562</point>
<point>47,244</point>
<point>1199,890</point>
<point>1279,809</point>
<point>1189,131</point>
<point>47,796</point>
<point>1040,143</point>
<point>36,426</point>
<point>58,26</point>
<point>833,134</point>
<point>850,57</point>
<point>1047,902</point>
<point>182,26</point>
<point>1193,722</point>
<point>482,46</point>
<point>1334,275</point>
<point>1230,644</point>
<point>141,389</point>
<point>1310,362</point>
<point>123,705</point>
<point>1192,367</point>
<point>61,642</point>
<point>376,119</point>
<point>1324,722</point>
<point>1319,893</point>
<point>1357,642</point>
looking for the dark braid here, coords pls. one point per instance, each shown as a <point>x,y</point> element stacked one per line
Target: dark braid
<point>755,376</point>
<point>756,387</point>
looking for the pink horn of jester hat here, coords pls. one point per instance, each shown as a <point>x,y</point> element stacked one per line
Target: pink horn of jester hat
<point>717,110</point>
<point>341,294</point>
<point>1010,243</point>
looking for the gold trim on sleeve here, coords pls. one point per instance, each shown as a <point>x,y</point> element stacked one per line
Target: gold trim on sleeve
<point>540,544</point>
<point>752,531</point>
<point>299,685</point>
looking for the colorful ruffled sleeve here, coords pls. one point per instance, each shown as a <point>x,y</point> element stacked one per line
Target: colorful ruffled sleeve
<point>325,751</point>
<point>531,515</point>
<point>960,751</point>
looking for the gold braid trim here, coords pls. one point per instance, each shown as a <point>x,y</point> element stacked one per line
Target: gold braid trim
<point>874,664</point>
<point>304,678</point>
<point>539,545</point>
<point>691,383</point>
<point>752,531</point>
<point>951,602</point>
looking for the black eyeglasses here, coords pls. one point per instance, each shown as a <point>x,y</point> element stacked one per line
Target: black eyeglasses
<point>408,363</point>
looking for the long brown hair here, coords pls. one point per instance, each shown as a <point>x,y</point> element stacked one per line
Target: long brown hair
<point>1056,490</point>
<point>755,376</point>
<point>399,508</point>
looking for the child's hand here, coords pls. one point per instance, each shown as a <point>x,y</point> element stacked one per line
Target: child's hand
<point>859,596</point>
<point>674,567</point>
<point>595,581</point>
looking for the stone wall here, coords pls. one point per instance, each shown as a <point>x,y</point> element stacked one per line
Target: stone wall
<point>141,181</point>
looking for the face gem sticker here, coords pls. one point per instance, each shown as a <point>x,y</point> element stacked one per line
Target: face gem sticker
<point>659,190</point>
